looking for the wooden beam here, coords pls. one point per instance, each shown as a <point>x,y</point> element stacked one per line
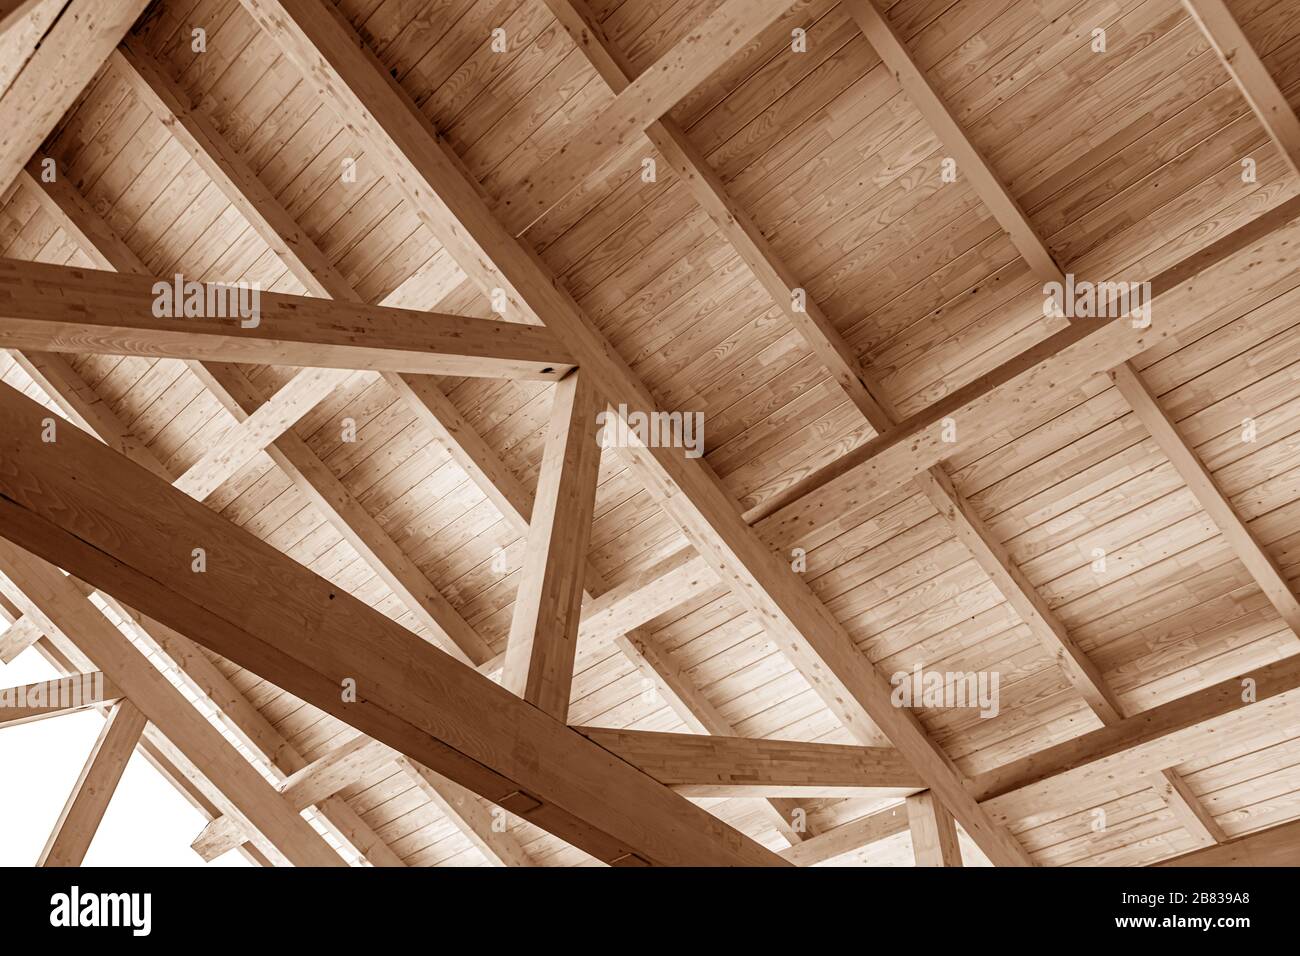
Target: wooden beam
<point>1247,70</point>
<point>93,790</point>
<point>12,11</point>
<point>470,814</point>
<point>313,784</point>
<point>732,221</point>
<point>1201,483</point>
<point>1276,846</point>
<point>1187,808</point>
<point>1128,750</point>
<point>174,767</point>
<point>849,836</point>
<point>706,766</point>
<point>263,611</point>
<point>544,628</point>
<point>65,695</point>
<point>1028,604</point>
<point>350,79</point>
<point>1200,283</point>
<point>242,400</point>
<point>19,636</point>
<point>66,60</point>
<point>882,36</point>
<point>700,53</point>
<point>67,309</point>
<point>63,611</point>
<point>934,834</point>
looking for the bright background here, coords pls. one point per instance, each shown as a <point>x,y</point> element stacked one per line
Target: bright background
<point>147,824</point>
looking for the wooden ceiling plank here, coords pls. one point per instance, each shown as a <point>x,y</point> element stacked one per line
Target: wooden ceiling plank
<point>709,766</point>
<point>67,309</point>
<point>850,836</point>
<point>1261,565</point>
<point>63,611</point>
<point>352,81</point>
<point>84,809</point>
<point>934,834</point>
<point>64,695</point>
<point>1275,846</point>
<point>696,56</point>
<point>544,628</point>
<point>261,610</point>
<point>64,63</point>
<point>1247,70</point>
<point>1187,808</point>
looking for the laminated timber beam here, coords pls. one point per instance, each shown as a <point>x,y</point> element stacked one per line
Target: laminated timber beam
<point>934,835</point>
<point>77,823</point>
<point>64,63</point>
<point>64,611</point>
<point>693,59</point>
<point>544,628</point>
<point>353,82</point>
<point>242,399</point>
<point>64,695</point>
<point>703,766</point>
<point>850,836</point>
<point>67,309</point>
<point>11,11</point>
<point>1276,846</point>
<point>261,610</point>
<point>1247,70</point>
<point>1064,776</point>
<point>20,635</point>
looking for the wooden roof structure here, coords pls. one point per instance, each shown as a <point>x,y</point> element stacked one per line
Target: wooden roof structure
<point>310,312</point>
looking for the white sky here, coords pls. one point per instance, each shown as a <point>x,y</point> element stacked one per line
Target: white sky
<point>147,824</point>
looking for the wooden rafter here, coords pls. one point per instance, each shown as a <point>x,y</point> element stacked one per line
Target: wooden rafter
<point>706,766</point>
<point>64,63</point>
<point>63,695</point>
<point>77,823</point>
<point>1275,846</point>
<point>934,835</point>
<point>544,629</point>
<point>699,54</point>
<point>1251,76</point>
<point>850,836</point>
<point>65,309</point>
<point>349,78</point>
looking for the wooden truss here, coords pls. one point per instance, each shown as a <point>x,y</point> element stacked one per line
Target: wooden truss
<point>99,505</point>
